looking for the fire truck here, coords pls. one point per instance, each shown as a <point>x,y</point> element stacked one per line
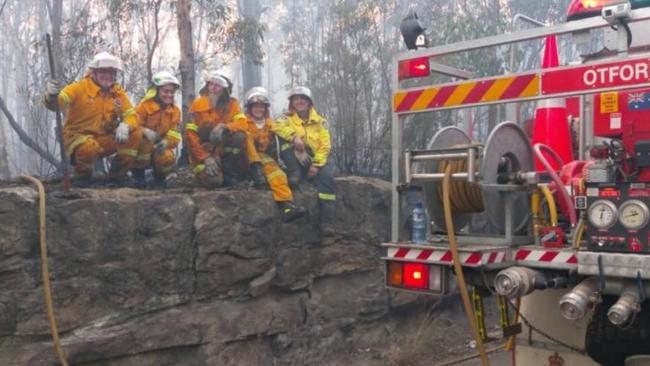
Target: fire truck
<point>566,248</point>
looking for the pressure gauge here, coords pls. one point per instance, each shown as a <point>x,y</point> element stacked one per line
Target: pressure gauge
<point>602,214</point>
<point>633,214</point>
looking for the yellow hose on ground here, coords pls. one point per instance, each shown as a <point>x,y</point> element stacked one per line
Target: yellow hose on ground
<point>460,277</point>
<point>552,208</point>
<point>47,292</point>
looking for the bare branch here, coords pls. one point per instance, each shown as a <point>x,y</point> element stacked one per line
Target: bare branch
<point>3,6</point>
<point>27,140</point>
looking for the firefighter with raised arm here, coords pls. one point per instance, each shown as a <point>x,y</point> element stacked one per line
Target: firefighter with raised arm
<point>218,143</point>
<point>305,148</point>
<point>260,128</point>
<point>159,118</point>
<point>99,120</point>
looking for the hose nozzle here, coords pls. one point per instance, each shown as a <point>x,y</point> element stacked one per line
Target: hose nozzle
<point>627,304</point>
<point>515,282</point>
<point>574,305</point>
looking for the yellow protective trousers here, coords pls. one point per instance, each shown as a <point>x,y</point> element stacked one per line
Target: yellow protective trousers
<point>91,148</point>
<point>276,178</point>
<point>161,162</point>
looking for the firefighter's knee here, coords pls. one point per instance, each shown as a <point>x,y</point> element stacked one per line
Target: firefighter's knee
<point>88,152</point>
<point>164,159</point>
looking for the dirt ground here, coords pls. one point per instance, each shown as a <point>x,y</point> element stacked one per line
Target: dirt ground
<point>440,333</point>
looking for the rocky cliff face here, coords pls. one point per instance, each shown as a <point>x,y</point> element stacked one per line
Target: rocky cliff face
<point>196,278</point>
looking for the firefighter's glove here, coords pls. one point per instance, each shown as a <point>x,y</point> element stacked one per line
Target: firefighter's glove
<point>151,135</point>
<point>211,167</point>
<point>122,133</point>
<point>298,144</point>
<point>303,158</point>
<point>216,135</point>
<point>53,87</point>
<point>161,146</point>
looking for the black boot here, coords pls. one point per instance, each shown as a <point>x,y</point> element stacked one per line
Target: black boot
<point>258,175</point>
<point>139,177</point>
<point>290,211</point>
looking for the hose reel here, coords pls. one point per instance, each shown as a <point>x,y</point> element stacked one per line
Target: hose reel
<point>492,189</point>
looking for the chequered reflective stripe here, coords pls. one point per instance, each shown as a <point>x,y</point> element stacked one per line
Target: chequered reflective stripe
<point>192,127</point>
<point>144,157</point>
<point>546,256</point>
<point>445,256</point>
<point>128,112</point>
<point>174,134</point>
<point>128,152</point>
<point>231,150</point>
<point>199,168</point>
<point>467,92</point>
<point>326,196</point>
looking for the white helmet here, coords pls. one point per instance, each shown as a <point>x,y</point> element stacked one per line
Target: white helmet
<point>257,94</point>
<point>217,78</point>
<point>165,78</point>
<point>300,90</point>
<point>105,60</point>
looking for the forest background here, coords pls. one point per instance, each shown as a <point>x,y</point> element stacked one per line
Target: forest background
<point>342,49</point>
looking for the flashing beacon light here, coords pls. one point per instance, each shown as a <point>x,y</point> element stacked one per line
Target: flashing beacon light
<point>579,9</point>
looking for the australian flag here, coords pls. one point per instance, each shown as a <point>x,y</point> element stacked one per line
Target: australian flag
<point>638,101</point>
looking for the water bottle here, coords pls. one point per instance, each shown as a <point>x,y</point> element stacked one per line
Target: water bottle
<point>419,224</point>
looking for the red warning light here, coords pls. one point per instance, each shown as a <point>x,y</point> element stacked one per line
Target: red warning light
<point>416,275</point>
<point>413,68</point>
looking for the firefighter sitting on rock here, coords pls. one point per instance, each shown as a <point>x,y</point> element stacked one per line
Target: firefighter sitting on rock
<point>267,170</point>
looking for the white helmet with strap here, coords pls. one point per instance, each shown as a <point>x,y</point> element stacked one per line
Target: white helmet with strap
<point>105,60</point>
<point>300,90</point>
<point>257,94</point>
<point>165,78</point>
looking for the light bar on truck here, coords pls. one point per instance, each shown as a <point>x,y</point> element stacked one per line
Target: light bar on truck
<point>414,68</point>
<point>417,276</point>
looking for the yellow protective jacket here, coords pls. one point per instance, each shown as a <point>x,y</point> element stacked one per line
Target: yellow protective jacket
<point>89,111</point>
<point>313,132</point>
<point>163,121</point>
<point>205,118</point>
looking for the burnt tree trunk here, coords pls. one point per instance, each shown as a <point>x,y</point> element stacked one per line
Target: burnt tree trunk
<point>186,64</point>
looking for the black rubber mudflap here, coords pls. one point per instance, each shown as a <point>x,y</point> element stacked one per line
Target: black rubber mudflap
<point>608,344</point>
